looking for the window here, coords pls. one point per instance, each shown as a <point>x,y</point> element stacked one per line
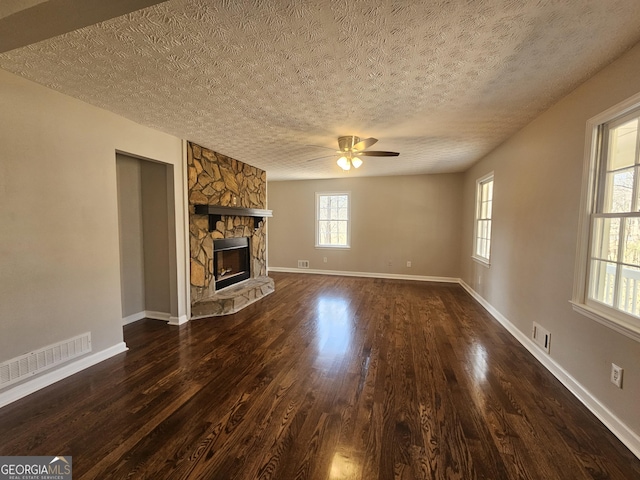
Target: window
<point>608,277</point>
<point>484,202</point>
<point>332,220</point>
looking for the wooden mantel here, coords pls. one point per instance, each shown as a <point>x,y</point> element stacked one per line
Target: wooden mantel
<point>216,213</point>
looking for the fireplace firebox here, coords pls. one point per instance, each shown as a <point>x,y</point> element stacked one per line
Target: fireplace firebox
<point>231,261</point>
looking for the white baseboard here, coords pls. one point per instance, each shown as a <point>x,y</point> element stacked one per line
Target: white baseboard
<point>166,317</point>
<point>133,318</point>
<point>341,273</point>
<point>42,381</point>
<point>606,416</point>
<point>178,320</point>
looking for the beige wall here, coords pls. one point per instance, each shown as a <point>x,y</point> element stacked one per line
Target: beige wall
<point>537,190</point>
<point>394,219</point>
<point>156,234</point>
<point>59,247</point>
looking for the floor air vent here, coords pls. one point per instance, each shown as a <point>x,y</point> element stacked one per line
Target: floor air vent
<point>34,362</point>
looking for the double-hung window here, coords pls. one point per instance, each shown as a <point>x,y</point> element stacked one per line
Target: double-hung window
<point>611,272</point>
<point>484,205</point>
<point>333,220</point>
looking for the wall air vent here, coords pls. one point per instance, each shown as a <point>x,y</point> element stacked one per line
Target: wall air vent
<point>541,336</point>
<point>42,359</point>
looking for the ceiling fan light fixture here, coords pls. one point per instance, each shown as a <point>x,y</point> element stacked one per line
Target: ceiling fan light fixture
<point>351,148</point>
<point>344,163</point>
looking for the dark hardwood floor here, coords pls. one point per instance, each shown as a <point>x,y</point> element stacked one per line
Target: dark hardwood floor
<point>327,378</point>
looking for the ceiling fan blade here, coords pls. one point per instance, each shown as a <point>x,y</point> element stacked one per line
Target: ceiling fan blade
<point>366,143</point>
<point>374,153</point>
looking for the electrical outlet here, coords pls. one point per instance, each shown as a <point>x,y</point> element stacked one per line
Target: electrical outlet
<point>409,263</point>
<point>324,259</point>
<point>303,263</point>
<point>616,375</point>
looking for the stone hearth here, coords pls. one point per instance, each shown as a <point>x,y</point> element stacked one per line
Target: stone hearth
<point>232,299</point>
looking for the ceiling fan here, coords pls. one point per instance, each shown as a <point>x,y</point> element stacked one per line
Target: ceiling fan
<point>351,148</point>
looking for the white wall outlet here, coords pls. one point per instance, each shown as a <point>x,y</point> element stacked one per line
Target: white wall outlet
<point>324,259</point>
<point>303,263</point>
<point>616,375</point>
<point>409,263</point>
<point>541,336</point>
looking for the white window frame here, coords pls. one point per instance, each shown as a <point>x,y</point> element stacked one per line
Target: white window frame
<point>318,219</point>
<point>478,218</point>
<point>601,313</point>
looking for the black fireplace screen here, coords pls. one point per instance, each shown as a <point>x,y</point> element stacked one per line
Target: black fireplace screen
<point>231,261</point>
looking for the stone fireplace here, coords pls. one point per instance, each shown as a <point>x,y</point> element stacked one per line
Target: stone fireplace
<point>227,200</point>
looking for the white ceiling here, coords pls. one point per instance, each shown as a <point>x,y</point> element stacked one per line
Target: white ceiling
<point>441,82</point>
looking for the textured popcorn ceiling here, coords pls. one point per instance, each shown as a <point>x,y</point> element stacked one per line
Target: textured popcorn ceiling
<point>441,82</point>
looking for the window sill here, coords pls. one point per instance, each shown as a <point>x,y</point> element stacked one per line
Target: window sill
<point>334,247</point>
<point>625,328</point>
<point>482,261</point>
